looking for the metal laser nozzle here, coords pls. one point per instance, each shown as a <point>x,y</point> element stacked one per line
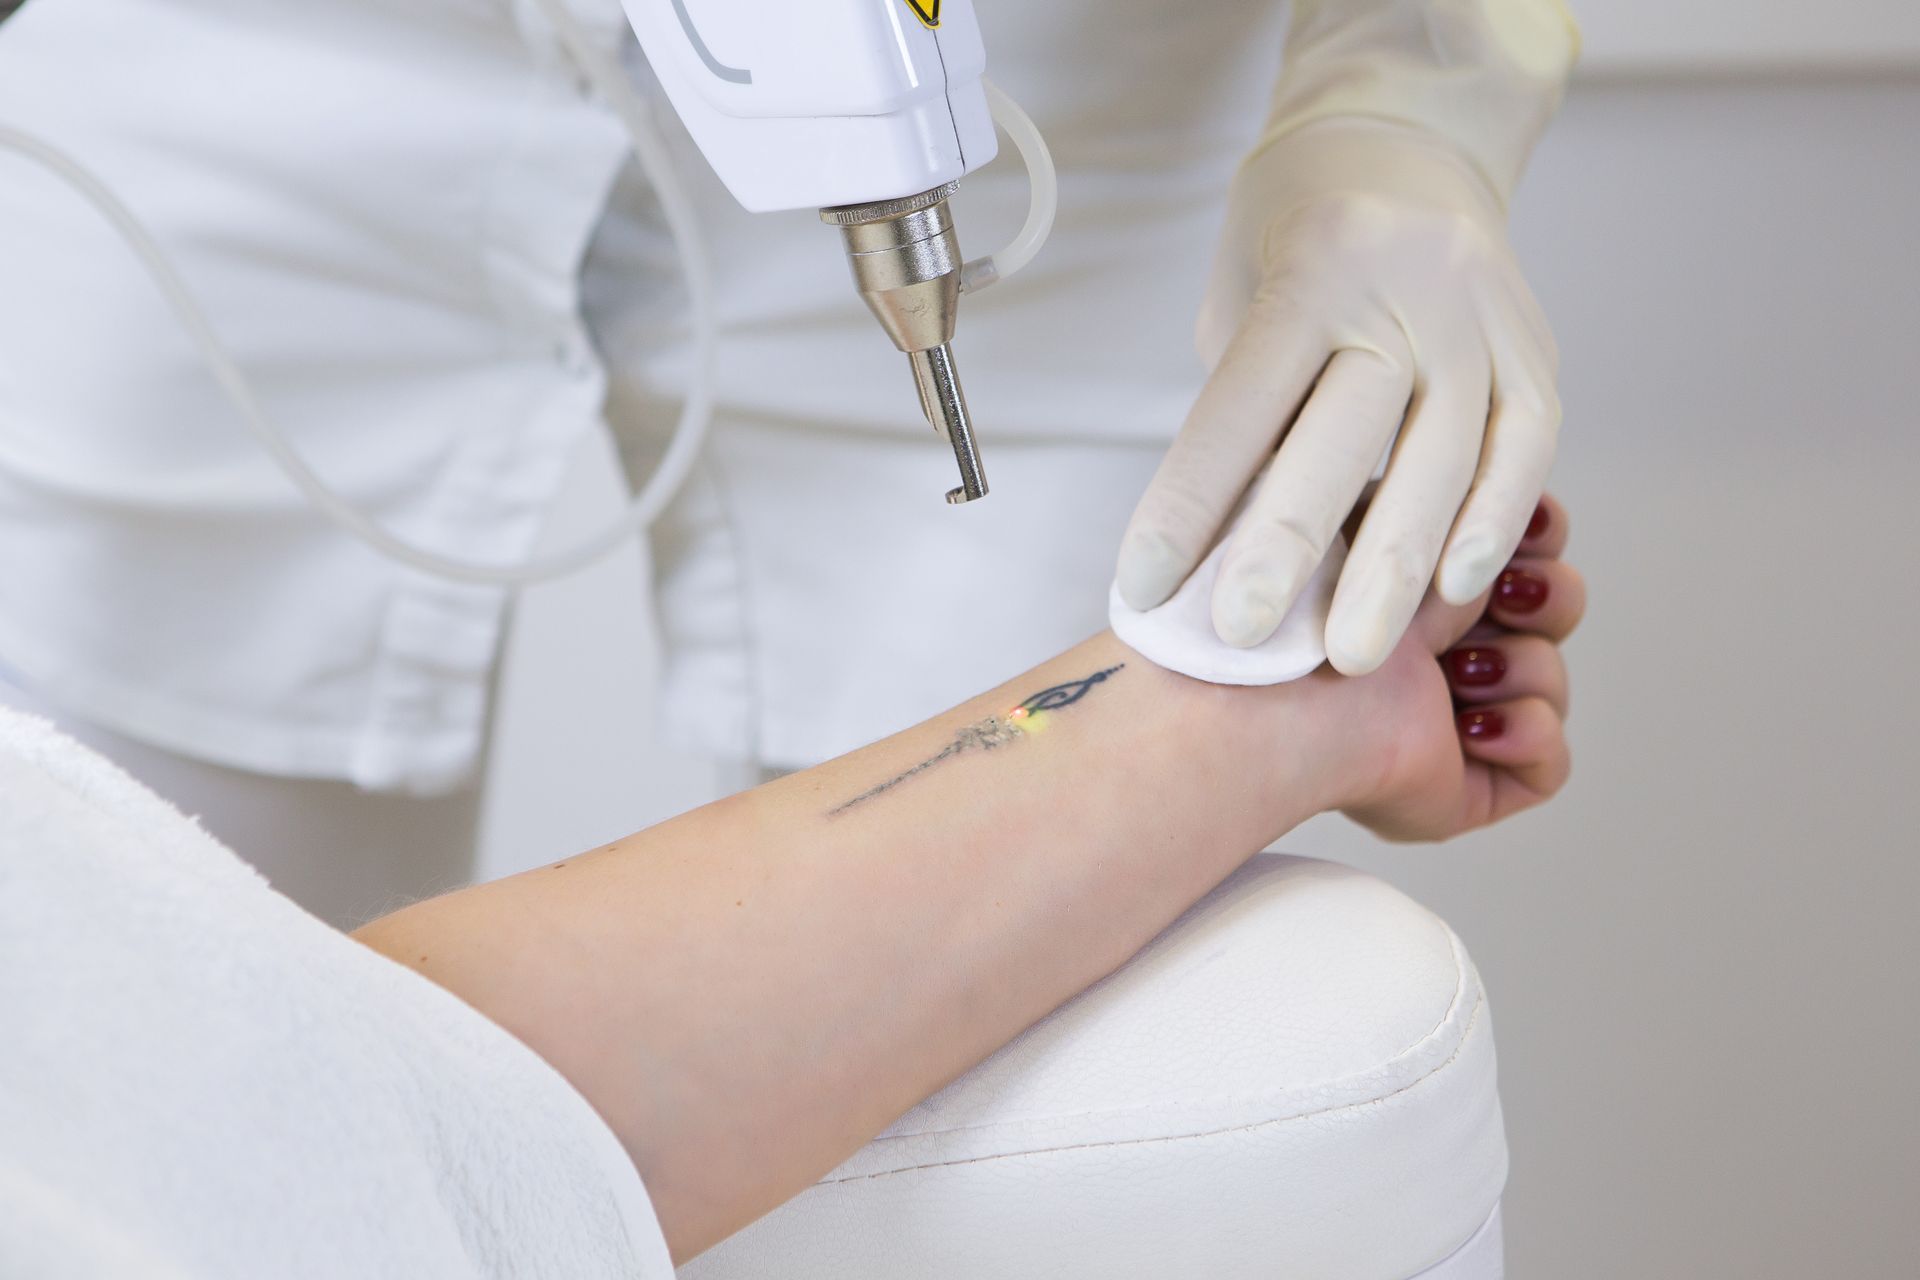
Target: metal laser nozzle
<point>906,263</point>
<point>946,408</point>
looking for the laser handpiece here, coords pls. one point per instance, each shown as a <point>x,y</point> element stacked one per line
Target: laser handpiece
<point>907,266</point>
<point>872,112</point>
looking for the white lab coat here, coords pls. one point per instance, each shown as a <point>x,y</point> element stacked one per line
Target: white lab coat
<point>384,206</point>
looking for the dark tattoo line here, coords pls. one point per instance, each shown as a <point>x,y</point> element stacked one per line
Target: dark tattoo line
<point>989,734</point>
<point>1065,695</point>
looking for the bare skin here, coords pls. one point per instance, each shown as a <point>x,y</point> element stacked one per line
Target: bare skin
<point>752,991</point>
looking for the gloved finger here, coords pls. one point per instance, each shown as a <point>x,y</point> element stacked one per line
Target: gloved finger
<point>1539,597</point>
<point>1351,525</point>
<point>1229,434</point>
<point>1393,558</point>
<point>1511,666</point>
<point>1323,464</point>
<point>1522,433</point>
<point>1517,757</point>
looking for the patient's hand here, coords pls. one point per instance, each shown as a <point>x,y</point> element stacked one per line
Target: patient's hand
<point>1466,723</point>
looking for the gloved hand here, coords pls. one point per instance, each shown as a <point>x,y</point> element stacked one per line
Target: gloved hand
<point>1365,281</point>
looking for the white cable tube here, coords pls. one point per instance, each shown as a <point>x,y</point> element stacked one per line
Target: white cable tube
<point>1043,199</point>
<point>695,414</point>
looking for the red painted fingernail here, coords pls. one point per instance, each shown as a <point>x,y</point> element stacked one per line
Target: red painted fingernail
<point>1482,726</point>
<point>1518,591</point>
<point>1537,525</point>
<point>1477,668</point>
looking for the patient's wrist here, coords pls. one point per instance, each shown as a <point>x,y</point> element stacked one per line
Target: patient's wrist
<point>1283,749</point>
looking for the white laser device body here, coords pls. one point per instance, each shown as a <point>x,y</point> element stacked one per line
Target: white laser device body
<point>870,111</point>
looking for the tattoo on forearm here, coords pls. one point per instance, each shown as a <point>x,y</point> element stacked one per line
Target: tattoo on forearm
<point>995,731</point>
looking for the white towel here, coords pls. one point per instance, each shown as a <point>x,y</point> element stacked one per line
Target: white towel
<point>198,1079</point>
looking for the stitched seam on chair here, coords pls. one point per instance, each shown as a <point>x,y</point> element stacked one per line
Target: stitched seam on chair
<point>1460,965</point>
<point>1472,1020</point>
<point>1457,950</point>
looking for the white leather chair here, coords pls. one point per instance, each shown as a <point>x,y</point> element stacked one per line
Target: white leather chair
<point>1294,1081</point>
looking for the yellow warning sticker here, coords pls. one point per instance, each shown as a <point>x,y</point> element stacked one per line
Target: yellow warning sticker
<point>928,11</point>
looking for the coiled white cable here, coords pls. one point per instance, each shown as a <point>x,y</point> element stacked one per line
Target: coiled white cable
<point>1043,195</point>
<point>695,415</point>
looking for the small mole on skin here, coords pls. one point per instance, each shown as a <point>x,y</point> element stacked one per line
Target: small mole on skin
<point>558,865</point>
<point>738,902</point>
<point>423,959</point>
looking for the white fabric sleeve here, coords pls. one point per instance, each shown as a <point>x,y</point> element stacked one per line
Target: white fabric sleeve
<point>201,1080</point>
<point>1487,75</point>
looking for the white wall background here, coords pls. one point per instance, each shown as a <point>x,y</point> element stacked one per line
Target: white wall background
<point>1691,38</point>
<point>1702,958</point>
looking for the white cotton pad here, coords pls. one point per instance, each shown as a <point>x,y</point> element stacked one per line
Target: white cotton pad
<point>1179,634</point>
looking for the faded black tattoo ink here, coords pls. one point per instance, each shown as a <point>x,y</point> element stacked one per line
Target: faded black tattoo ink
<point>992,733</point>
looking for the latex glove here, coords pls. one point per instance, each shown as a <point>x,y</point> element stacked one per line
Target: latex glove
<point>1365,286</point>
<point>1380,289</point>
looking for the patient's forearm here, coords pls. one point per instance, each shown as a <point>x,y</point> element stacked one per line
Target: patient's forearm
<point>750,992</point>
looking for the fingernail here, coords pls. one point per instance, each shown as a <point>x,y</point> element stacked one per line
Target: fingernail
<point>1481,726</point>
<point>1518,591</point>
<point>1477,668</point>
<point>1537,525</point>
